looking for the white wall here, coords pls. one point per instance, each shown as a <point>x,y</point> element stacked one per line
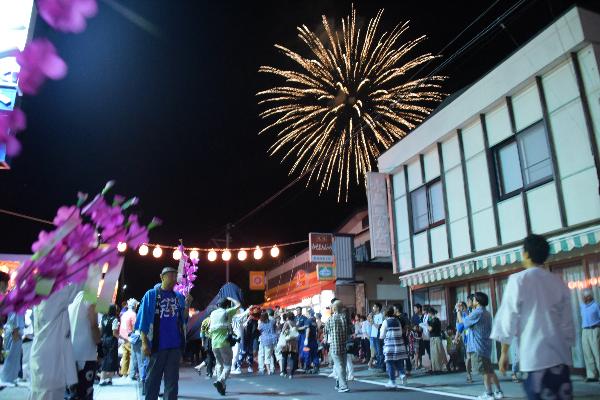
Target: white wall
<point>511,216</point>
<point>573,149</point>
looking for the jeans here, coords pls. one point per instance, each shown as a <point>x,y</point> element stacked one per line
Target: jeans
<point>339,367</point>
<point>141,361</point>
<point>223,357</point>
<point>163,362</point>
<point>393,366</point>
<point>379,352</point>
<point>549,383</point>
<point>311,356</point>
<point>284,363</point>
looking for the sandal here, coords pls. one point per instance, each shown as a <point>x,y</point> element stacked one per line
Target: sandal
<point>515,379</point>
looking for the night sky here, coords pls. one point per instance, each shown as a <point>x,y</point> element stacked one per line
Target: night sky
<point>171,115</point>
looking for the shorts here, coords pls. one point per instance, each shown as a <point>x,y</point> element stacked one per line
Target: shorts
<point>481,364</point>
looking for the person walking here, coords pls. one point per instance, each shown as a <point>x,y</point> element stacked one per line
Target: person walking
<point>109,330</point>
<point>219,332</point>
<point>53,364</point>
<point>163,314</point>
<point>267,341</point>
<point>377,321</point>
<point>590,335</point>
<point>85,336</point>
<point>395,348</point>
<point>373,336</point>
<point>126,329</point>
<point>438,355</point>
<point>336,334</point>
<point>209,361</point>
<point>13,344</point>
<point>480,323</point>
<point>249,335</point>
<point>289,345</point>
<point>425,345</point>
<point>536,309</point>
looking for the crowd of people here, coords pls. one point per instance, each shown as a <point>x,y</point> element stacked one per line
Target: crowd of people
<point>63,346</point>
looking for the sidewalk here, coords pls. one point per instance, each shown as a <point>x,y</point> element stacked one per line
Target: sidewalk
<point>455,384</point>
<point>119,390</point>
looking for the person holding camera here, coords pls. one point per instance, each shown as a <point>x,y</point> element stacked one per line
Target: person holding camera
<point>220,326</point>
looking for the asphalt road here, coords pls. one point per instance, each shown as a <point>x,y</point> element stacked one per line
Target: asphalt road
<point>242,387</point>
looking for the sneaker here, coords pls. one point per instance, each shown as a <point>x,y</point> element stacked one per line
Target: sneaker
<point>498,394</point>
<point>331,375</point>
<point>485,396</point>
<point>282,374</point>
<point>200,366</point>
<point>220,387</point>
<point>261,372</point>
<point>403,380</point>
<point>250,370</point>
<point>350,378</point>
<point>390,385</point>
<point>236,371</point>
<point>290,376</point>
<point>7,384</point>
<point>345,390</point>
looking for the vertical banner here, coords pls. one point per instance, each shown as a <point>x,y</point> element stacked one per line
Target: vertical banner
<point>379,219</point>
<point>257,280</point>
<point>320,247</point>
<point>108,287</point>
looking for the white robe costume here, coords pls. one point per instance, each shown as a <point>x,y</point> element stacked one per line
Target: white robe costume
<point>52,363</point>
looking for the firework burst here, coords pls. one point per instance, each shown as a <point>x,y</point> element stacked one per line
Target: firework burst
<point>348,101</point>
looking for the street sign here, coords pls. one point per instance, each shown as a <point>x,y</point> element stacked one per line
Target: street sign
<point>320,247</point>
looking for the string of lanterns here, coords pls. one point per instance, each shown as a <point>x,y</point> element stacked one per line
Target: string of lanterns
<point>212,254</point>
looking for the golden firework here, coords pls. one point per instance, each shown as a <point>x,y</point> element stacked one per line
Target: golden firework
<point>349,100</point>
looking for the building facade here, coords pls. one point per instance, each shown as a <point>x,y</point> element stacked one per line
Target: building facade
<point>517,152</point>
<point>358,280</point>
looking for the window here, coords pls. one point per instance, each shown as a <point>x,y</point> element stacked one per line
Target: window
<point>365,222</point>
<point>428,206</point>
<point>523,161</point>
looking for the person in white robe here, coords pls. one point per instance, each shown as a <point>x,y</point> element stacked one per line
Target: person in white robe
<point>53,366</point>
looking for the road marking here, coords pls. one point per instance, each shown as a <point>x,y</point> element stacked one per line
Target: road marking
<point>460,396</point>
<point>430,391</point>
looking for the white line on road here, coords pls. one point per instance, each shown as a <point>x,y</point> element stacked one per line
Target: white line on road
<point>460,396</point>
<point>430,391</point>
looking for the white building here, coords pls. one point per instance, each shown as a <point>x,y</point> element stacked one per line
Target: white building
<point>516,152</point>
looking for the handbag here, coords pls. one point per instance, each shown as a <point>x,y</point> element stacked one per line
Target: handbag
<point>293,333</point>
<point>281,342</point>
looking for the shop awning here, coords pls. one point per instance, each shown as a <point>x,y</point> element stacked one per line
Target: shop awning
<point>558,244</point>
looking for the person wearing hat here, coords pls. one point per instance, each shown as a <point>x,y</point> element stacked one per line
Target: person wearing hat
<point>125,330</point>
<point>163,316</point>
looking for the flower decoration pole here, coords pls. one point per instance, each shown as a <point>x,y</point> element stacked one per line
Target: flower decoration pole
<point>187,274</point>
<point>39,60</point>
<point>85,237</point>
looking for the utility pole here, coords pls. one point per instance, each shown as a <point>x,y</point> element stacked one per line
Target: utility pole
<point>227,241</point>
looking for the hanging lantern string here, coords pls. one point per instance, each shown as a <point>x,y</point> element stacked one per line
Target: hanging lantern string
<point>223,249</point>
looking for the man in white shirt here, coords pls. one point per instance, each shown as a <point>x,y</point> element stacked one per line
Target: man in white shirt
<point>536,310</point>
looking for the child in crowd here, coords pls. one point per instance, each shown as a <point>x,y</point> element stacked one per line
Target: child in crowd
<point>454,349</point>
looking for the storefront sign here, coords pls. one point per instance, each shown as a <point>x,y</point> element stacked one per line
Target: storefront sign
<point>379,221</point>
<point>320,247</point>
<point>325,272</point>
<point>257,280</point>
<point>300,278</point>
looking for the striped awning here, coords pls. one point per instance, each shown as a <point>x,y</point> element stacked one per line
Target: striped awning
<point>558,244</point>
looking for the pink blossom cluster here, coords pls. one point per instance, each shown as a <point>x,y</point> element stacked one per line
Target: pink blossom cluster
<point>85,236</point>
<point>190,267</point>
<point>39,60</point>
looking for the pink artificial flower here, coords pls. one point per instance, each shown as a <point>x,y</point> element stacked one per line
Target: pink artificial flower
<point>64,213</point>
<point>12,122</point>
<point>137,235</point>
<point>39,61</point>
<point>67,15</point>
<point>43,239</point>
